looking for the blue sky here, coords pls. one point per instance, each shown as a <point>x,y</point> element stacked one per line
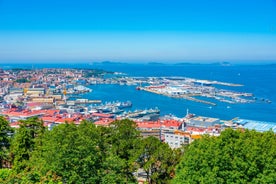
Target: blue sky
<point>138,30</point>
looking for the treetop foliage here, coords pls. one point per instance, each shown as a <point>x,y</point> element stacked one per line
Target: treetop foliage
<point>84,154</point>
<point>233,157</point>
<point>88,154</point>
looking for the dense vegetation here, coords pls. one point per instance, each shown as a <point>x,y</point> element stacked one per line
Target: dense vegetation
<point>90,154</point>
<point>233,157</point>
<point>95,73</point>
<point>84,154</point>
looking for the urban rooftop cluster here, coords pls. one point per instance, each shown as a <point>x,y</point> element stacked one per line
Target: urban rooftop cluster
<point>47,94</point>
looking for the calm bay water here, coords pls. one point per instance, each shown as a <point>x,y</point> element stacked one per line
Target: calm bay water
<point>257,79</point>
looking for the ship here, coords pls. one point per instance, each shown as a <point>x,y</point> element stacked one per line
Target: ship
<point>267,101</point>
<point>120,105</point>
<point>112,107</point>
<point>151,114</point>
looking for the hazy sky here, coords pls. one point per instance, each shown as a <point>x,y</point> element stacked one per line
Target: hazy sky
<point>137,30</point>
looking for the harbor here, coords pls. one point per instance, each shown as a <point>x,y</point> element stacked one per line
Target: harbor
<point>190,89</point>
<point>171,94</point>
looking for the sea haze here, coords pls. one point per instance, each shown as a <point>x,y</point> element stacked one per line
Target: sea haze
<point>257,79</point>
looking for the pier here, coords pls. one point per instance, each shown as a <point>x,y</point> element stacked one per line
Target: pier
<point>86,101</point>
<point>90,102</point>
<point>83,101</point>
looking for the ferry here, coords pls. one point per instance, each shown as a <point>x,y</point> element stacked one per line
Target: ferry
<point>112,107</point>
<point>142,113</point>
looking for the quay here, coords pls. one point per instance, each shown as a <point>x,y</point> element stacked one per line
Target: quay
<point>83,101</point>
<point>226,84</point>
<point>187,97</point>
<point>89,102</point>
<point>197,100</point>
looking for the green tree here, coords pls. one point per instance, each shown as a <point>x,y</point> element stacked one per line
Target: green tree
<point>87,154</point>
<point>5,138</point>
<point>27,177</point>
<point>233,157</point>
<point>70,152</point>
<point>35,125</point>
<point>23,144</point>
<point>112,168</point>
<point>4,175</point>
<point>158,160</point>
<point>124,141</point>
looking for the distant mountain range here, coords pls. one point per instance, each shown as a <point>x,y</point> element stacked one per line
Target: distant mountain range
<point>223,63</point>
<point>108,63</point>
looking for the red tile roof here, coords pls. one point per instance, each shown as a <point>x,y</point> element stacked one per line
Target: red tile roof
<point>195,129</point>
<point>15,124</point>
<point>102,115</point>
<point>148,125</point>
<point>64,120</point>
<point>33,104</point>
<point>22,113</point>
<point>49,119</point>
<point>104,122</point>
<point>157,124</point>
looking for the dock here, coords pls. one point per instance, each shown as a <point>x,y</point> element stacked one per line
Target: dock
<point>88,102</point>
<point>226,84</point>
<point>187,97</point>
<point>197,100</point>
<point>83,101</point>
